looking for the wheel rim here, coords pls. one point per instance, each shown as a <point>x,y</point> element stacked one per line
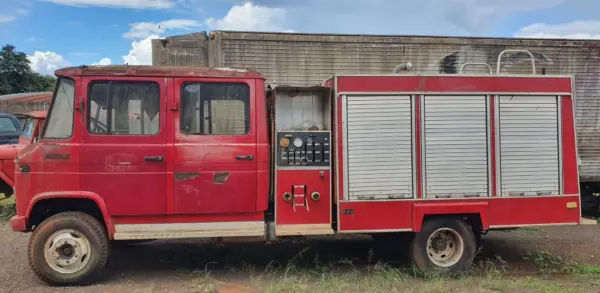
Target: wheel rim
<point>445,247</point>
<point>67,251</point>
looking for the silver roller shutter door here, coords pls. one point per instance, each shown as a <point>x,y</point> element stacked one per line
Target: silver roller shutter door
<point>455,146</point>
<point>379,147</point>
<point>529,147</point>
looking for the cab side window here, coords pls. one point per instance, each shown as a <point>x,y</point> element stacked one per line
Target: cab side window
<point>215,109</point>
<point>123,108</point>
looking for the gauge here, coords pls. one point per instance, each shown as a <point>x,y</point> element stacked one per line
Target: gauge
<point>284,142</point>
<point>298,142</point>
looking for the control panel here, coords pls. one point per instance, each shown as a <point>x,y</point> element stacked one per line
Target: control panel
<point>303,149</point>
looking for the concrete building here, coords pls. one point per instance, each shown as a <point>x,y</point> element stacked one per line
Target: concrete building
<point>308,59</point>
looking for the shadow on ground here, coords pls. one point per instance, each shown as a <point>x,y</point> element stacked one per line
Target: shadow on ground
<point>353,253</point>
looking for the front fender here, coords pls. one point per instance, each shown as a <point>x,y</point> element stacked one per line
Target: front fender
<point>74,194</point>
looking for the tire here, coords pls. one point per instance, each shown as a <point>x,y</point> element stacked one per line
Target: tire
<point>457,260</point>
<point>87,236</point>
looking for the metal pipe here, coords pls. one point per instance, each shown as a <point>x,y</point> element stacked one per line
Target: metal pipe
<point>515,51</point>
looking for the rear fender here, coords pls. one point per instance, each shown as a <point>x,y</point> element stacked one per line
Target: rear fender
<point>74,194</point>
<point>420,210</point>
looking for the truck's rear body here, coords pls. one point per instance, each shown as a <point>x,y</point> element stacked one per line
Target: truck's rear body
<point>405,147</point>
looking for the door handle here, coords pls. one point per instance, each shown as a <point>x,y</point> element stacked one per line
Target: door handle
<point>154,159</point>
<point>249,158</point>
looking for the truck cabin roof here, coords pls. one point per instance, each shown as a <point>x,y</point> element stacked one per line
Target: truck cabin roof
<point>153,70</point>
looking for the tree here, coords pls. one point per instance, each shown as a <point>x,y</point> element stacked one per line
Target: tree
<point>16,75</point>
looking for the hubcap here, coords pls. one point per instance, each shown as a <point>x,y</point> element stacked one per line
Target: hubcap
<point>445,247</point>
<point>67,251</point>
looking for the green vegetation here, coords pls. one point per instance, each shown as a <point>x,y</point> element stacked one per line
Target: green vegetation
<point>7,208</point>
<point>16,75</point>
<point>344,276</point>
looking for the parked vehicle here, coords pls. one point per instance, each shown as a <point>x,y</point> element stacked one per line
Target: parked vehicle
<point>211,153</point>
<point>32,127</point>
<point>10,128</point>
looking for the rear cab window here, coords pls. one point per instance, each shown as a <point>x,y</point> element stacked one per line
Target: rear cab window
<point>28,128</point>
<point>215,109</point>
<point>123,108</point>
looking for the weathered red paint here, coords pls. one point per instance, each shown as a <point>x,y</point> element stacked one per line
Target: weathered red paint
<point>448,83</point>
<point>382,216</point>
<point>516,212</point>
<point>207,156</point>
<point>318,212</point>
<point>130,71</point>
<point>570,170</point>
<point>8,153</point>
<point>72,194</point>
<point>420,210</point>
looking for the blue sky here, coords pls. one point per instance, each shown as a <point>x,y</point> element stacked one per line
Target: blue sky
<point>58,33</point>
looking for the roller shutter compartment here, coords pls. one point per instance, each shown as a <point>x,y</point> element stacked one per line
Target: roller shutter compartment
<point>529,146</point>
<point>455,146</point>
<point>378,147</point>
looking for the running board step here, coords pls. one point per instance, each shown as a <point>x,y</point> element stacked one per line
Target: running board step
<point>188,230</point>
<point>303,229</point>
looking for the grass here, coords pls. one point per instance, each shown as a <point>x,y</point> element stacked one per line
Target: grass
<point>7,208</point>
<point>554,275</point>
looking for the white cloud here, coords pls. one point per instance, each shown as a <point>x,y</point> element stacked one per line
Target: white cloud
<point>141,52</point>
<point>250,17</point>
<point>47,62</point>
<point>138,4</point>
<point>103,61</point>
<point>6,18</point>
<point>140,30</point>
<point>583,29</point>
<point>22,11</point>
<point>424,17</point>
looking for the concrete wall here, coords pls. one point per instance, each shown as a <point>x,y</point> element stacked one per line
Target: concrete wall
<point>302,59</point>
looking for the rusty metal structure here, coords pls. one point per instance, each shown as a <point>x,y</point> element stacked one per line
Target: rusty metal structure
<point>308,59</point>
<point>25,102</point>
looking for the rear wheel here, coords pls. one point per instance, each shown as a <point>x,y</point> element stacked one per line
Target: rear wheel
<point>447,245</point>
<point>69,248</point>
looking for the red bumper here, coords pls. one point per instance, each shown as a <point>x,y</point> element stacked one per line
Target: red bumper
<point>18,224</point>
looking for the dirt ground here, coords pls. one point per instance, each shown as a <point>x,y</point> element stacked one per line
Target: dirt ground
<point>548,260</point>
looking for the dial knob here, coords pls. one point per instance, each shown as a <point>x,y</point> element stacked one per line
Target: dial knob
<point>298,142</point>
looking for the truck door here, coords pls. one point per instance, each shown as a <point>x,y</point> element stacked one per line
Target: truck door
<point>123,144</point>
<point>214,147</point>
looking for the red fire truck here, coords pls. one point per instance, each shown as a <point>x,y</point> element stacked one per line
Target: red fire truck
<point>135,153</point>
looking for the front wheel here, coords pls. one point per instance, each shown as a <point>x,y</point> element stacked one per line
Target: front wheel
<point>69,248</point>
<point>446,245</point>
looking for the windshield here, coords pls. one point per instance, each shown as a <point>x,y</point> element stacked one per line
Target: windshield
<point>60,117</point>
<point>27,129</point>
